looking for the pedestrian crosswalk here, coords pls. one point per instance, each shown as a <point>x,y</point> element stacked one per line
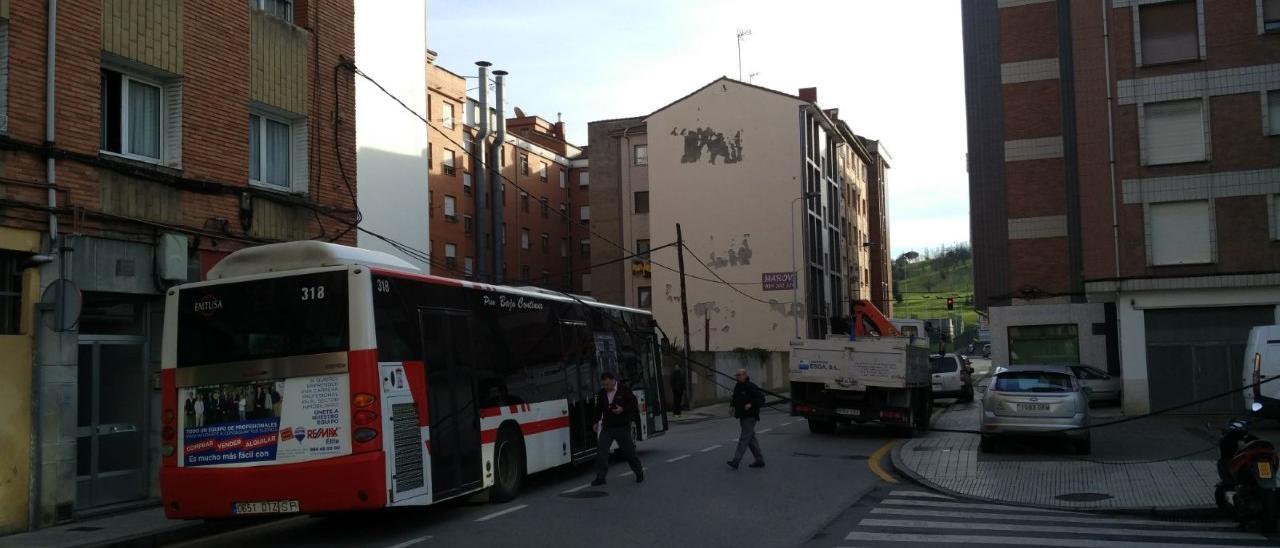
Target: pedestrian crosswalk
<point>908,517</point>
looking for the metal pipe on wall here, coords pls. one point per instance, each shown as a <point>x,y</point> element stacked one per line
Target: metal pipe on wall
<point>482,175</point>
<point>495,181</point>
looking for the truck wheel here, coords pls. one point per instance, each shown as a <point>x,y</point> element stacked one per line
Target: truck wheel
<point>508,456</point>
<point>819,426</point>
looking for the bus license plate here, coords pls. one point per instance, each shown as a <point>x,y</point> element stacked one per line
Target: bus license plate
<point>1033,407</point>
<point>850,412</point>
<point>266,507</point>
<point>1264,470</point>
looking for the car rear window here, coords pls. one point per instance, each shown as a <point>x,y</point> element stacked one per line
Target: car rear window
<point>1032,381</point>
<point>942,364</point>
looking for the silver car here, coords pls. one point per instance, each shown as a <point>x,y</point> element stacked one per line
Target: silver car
<point>1035,400</point>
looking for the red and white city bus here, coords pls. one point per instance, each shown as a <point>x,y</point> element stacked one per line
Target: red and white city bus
<point>313,377</point>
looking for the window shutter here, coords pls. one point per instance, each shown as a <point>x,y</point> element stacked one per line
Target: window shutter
<point>299,157</point>
<point>173,123</point>
<point>1180,233</point>
<point>1174,132</point>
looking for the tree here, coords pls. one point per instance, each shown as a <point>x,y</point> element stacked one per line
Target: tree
<point>897,295</point>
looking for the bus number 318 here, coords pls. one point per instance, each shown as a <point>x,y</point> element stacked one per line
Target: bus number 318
<point>313,293</point>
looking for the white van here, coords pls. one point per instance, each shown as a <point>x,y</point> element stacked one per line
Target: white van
<point>1261,363</point>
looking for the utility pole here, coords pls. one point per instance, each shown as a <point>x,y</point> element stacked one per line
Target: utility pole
<point>684,311</point>
<point>741,34</point>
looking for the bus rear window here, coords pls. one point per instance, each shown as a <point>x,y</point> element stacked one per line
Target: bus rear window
<point>271,318</point>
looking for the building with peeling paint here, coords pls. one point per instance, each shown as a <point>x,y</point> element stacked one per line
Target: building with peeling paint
<point>764,184</point>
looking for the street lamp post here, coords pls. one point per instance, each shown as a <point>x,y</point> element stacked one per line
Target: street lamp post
<point>795,275</point>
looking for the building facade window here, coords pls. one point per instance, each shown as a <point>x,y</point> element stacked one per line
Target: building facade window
<point>1273,111</point>
<point>1174,132</point>
<point>275,8</point>
<point>564,247</point>
<point>586,283</point>
<point>1169,31</point>
<point>642,202</point>
<point>524,201</point>
<point>584,214</point>
<point>10,293</point>
<point>133,116</point>
<point>1270,15</point>
<point>1181,233</point>
<point>584,179</point>
<point>269,151</point>
<point>564,179</point>
<point>447,165</point>
<point>524,164</point>
<point>542,171</point>
<point>642,249</point>
<point>466,224</point>
<point>451,255</point>
<point>584,248</point>
<point>640,155</point>
<point>446,114</point>
<point>468,266</point>
<point>524,273</point>
<point>466,183</point>
<point>450,208</point>
<point>524,238</point>
<point>546,243</point>
<point>545,207</point>
<point>644,297</point>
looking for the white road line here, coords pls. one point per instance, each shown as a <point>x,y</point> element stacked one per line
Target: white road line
<point>976,506</point>
<point>575,489</point>
<point>502,512</point>
<point>1031,541</point>
<point>788,423</point>
<point>1038,528</point>
<point>712,448</point>
<point>1056,519</point>
<point>765,430</point>
<point>408,543</point>
<point>681,457</point>
<point>628,473</point>
<point>924,494</point>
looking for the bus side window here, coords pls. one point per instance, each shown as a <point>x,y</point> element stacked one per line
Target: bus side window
<point>395,320</point>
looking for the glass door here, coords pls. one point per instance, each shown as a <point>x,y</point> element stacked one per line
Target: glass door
<point>111,458</point>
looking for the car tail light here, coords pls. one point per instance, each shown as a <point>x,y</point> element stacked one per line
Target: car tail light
<point>362,400</point>
<point>804,409</point>
<point>365,434</point>
<point>365,417</point>
<point>1257,375</point>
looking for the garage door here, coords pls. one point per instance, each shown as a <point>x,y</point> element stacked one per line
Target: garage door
<point>1195,353</point>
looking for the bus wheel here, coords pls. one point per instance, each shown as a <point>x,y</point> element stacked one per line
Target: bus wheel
<point>508,456</point>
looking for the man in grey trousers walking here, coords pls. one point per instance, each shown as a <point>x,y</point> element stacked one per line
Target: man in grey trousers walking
<point>746,402</point>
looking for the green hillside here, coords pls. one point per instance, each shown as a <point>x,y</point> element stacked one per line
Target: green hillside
<point>922,285</point>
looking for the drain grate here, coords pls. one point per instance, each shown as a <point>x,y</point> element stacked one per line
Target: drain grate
<point>1083,497</point>
<point>84,529</point>
<point>585,495</point>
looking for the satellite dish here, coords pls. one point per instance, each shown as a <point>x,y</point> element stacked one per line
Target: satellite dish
<point>519,113</point>
<point>61,303</point>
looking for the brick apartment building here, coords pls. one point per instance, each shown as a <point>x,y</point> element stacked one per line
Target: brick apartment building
<point>731,163</point>
<point>179,135</point>
<point>1123,180</point>
<point>543,194</point>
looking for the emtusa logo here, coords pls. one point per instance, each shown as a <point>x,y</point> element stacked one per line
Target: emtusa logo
<point>208,304</point>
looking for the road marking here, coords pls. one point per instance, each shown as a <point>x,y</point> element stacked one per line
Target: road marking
<point>576,489</point>
<point>874,462</point>
<point>1056,519</point>
<point>1040,528</point>
<point>712,448</point>
<point>788,423</point>
<point>502,512</point>
<point>408,543</point>
<point>628,473</point>
<point>977,506</point>
<point>681,457</point>
<point>765,430</point>
<point>1032,541</point>
<point>919,494</point>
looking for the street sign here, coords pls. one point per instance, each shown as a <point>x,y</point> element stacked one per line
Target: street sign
<point>778,281</point>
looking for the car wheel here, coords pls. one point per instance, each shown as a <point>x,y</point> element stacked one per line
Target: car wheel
<point>987,445</point>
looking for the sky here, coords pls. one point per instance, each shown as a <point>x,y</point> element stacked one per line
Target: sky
<point>894,69</point>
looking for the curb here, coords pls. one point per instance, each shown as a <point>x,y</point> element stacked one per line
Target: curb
<point>1187,512</point>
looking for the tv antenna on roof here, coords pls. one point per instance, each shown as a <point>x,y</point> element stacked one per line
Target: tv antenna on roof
<point>741,33</point>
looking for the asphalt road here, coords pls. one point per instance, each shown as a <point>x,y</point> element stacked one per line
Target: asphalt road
<point>690,498</point>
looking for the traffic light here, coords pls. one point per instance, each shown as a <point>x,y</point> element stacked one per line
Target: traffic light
<point>951,303</point>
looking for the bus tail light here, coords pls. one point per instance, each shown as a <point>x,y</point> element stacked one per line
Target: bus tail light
<point>365,417</point>
<point>1257,375</point>
<point>362,400</point>
<point>364,435</point>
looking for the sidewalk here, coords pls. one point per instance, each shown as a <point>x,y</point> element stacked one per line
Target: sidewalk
<point>146,527</point>
<point>1160,465</point>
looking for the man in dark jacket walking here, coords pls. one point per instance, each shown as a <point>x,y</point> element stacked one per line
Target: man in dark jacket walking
<point>677,389</point>
<point>618,407</point>
<point>746,402</point>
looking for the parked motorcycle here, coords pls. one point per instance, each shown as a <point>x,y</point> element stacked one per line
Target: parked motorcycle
<point>1247,466</point>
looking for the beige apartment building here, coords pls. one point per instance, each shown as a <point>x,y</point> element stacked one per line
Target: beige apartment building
<point>733,163</point>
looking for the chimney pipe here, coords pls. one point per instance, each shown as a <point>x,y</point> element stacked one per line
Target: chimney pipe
<point>809,95</point>
<point>481,183</point>
<point>495,182</point>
